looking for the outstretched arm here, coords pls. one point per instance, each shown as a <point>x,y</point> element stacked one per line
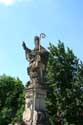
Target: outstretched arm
<point>27,51</point>
<point>25,47</point>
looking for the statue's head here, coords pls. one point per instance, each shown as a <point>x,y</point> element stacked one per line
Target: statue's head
<point>37,41</point>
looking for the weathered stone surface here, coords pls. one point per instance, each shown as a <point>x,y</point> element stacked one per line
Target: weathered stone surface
<point>35,93</point>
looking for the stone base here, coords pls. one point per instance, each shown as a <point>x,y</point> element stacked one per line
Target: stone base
<point>39,105</point>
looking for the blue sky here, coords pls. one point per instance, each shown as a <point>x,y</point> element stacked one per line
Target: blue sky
<point>23,19</point>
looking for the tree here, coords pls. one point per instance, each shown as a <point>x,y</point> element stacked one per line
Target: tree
<point>11,99</point>
<point>64,78</point>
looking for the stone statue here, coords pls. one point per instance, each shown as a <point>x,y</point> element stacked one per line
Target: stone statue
<point>37,60</point>
<point>34,113</point>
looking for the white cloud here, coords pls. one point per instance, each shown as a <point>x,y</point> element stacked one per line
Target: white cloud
<point>10,2</point>
<point>7,2</point>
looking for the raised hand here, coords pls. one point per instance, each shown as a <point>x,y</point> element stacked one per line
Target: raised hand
<point>24,45</point>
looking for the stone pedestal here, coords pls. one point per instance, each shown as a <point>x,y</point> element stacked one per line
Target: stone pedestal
<point>35,113</point>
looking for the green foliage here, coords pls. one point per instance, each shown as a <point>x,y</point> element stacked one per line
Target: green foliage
<point>64,82</point>
<point>11,99</point>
